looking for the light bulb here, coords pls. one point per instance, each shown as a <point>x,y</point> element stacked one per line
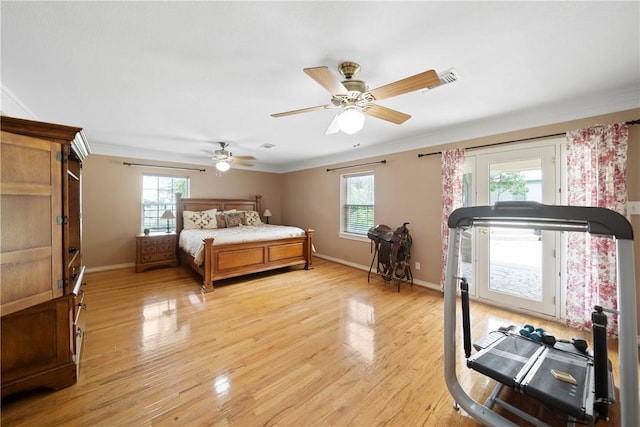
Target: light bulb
<point>350,121</point>
<point>223,166</point>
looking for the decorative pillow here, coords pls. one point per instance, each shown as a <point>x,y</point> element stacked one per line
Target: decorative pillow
<point>208,220</point>
<point>192,220</point>
<point>234,219</point>
<point>230,211</point>
<point>252,217</point>
<point>220,221</point>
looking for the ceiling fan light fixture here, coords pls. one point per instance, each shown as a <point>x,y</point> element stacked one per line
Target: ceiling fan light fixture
<point>223,166</point>
<point>350,121</point>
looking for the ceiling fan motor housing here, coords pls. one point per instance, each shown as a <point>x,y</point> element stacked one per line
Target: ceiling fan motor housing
<point>355,86</point>
<point>349,69</point>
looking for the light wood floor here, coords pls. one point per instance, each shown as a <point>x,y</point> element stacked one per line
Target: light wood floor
<point>290,348</point>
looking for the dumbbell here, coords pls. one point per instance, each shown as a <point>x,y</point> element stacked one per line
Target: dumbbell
<point>537,334</point>
<point>532,332</point>
<point>580,344</point>
<point>526,330</point>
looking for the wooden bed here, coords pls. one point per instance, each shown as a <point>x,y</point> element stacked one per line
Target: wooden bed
<point>237,259</point>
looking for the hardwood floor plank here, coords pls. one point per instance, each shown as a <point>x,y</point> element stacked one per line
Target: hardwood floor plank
<point>285,348</point>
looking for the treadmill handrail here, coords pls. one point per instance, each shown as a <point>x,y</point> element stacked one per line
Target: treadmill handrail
<point>594,220</point>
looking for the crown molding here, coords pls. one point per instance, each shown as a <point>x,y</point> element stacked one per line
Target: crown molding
<point>11,105</point>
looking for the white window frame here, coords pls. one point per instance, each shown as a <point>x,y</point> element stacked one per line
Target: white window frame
<point>161,205</point>
<point>343,202</point>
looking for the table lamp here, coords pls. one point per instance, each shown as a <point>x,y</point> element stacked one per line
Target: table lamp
<point>168,215</point>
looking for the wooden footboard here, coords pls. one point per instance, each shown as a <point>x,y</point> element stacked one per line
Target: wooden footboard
<point>233,260</point>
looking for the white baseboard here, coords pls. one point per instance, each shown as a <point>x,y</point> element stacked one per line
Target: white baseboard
<point>110,267</point>
<point>366,268</point>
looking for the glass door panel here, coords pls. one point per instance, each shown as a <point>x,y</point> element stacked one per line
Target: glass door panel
<point>516,267</point>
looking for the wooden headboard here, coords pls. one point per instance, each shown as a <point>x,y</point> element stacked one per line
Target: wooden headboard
<point>206,204</point>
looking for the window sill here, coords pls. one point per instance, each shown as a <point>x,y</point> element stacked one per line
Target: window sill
<point>350,236</point>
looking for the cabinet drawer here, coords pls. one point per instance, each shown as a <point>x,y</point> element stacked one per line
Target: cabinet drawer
<point>148,249</point>
<point>37,340</point>
<point>157,240</point>
<point>158,256</point>
<point>165,247</point>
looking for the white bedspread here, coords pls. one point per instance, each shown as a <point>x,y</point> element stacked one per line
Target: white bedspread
<point>192,241</point>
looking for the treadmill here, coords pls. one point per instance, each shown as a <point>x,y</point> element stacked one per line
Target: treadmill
<point>524,365</point>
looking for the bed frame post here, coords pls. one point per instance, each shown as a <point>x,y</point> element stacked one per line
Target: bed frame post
<point>308,249</point>
<point>179,225</point>
<point>259,204</point>
<point>207,276</point>
<point>179,210</point>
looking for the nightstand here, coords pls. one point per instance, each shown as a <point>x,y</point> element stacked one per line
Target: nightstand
<point>155,250</point>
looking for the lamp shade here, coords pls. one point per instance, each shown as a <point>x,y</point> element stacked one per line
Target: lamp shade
<point>266,214</point>
<point>223,166</point>
<point>168,214</point>
<point>350,121</point>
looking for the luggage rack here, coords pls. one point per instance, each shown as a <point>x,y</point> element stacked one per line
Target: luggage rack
<point>524,365</point>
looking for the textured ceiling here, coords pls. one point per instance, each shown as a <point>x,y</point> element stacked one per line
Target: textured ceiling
<point>164,80</point>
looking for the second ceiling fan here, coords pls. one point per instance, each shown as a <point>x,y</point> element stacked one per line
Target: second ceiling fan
<point>224,158</point>
<point>355,98</point>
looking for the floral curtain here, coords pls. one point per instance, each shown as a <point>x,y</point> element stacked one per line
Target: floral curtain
<point>452,173</point>
<point>596,176</point>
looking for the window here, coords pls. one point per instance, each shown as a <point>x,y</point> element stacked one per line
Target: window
<point>357,200</point>
<point>158,195</point>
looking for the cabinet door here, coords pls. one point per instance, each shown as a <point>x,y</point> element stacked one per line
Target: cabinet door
<point>36,347</point>
<point>31,238</point>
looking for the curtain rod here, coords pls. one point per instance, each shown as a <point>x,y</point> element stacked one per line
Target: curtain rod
<point>629,123</point>
<point>163,167</point>
<point>355,166</point>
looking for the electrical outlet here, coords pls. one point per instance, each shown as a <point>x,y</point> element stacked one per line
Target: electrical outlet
<point>417,265</point>
<point>633,208</point>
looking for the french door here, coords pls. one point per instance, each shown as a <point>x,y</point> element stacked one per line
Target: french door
<point>514,267</point>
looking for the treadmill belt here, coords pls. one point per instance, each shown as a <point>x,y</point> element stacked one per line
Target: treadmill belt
<point>526,366</point>
<point>505,360</point>
<point>570,398</point>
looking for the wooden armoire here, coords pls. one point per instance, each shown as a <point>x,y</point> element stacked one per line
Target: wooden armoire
<point>41,269</point>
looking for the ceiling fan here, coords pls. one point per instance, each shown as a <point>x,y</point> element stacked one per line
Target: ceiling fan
<point>355,98</point>
<point>224,158</point>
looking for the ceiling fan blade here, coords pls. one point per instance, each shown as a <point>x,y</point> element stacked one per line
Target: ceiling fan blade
<point>244,157</point>
<point>384,113</point>
<point>327,80</point>
<point>240,162</point>
<point>304,110</point>
<point>334,127</point>
<point>426,79</point>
